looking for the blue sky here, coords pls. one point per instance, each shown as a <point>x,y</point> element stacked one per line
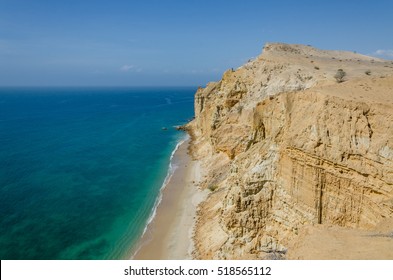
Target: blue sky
<point>173,42</point>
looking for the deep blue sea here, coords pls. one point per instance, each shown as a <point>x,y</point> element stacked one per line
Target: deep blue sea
<point>81,168</point>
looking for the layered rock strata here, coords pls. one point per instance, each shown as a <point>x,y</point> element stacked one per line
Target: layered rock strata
<point>285,146</point>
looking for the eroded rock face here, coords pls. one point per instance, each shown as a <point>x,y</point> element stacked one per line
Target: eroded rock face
<point>288,146</point>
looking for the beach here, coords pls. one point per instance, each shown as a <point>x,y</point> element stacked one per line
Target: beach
<point>101,151</point>
<point>169,235</point>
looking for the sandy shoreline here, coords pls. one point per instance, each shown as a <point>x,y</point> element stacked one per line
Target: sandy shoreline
<point>169,235</point>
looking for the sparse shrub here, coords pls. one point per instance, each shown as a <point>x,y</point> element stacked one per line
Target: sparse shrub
<point>239,109</point>
<point>367,72</point>
<point>316,68</point>
<point>213,187</point>
<point>339,76</point>
<point>276,255</point>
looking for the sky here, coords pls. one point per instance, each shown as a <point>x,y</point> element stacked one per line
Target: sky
<point>172,42</point>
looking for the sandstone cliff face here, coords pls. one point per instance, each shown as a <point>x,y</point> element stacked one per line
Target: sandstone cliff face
<point>287,146</point>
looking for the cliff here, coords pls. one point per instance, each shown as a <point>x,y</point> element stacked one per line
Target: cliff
<point>289,152</point>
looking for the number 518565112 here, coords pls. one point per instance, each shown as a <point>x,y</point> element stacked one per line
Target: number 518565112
<point>238,270</point>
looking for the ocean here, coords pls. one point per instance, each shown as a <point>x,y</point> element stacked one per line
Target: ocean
<point>81,168</point>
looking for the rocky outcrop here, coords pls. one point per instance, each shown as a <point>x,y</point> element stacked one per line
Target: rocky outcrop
<point>286,146</point>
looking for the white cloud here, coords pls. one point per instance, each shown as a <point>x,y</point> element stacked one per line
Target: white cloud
<point>384,53</point>
<point>133,68</point>
<point>126,67</point>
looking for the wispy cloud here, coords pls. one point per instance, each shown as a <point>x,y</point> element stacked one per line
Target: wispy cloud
<point>384,53</point>
<point>126,67</point>
<point>130,68</point>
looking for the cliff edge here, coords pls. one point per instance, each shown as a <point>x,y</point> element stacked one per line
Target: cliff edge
<point>299,161</point>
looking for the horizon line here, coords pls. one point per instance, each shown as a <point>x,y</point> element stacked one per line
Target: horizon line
<point>94,86</point>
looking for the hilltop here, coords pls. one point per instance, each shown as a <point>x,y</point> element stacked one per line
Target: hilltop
<point>298,161</point>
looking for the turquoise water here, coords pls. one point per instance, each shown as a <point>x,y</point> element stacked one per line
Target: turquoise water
<point>81,168</point>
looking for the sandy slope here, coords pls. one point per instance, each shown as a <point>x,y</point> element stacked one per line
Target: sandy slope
<point>169,236</point>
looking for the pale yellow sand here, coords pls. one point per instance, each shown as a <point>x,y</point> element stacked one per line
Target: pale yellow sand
<point>169,235</point>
